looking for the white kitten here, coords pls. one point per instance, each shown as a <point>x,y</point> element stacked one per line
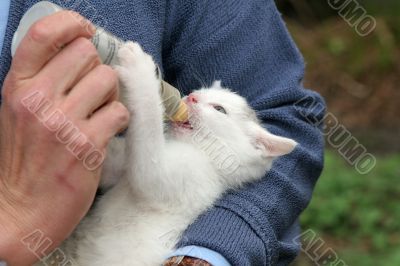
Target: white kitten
<point>167,179</point>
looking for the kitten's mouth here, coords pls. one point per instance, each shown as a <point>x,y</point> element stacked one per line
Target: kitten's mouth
<point>185,125</point>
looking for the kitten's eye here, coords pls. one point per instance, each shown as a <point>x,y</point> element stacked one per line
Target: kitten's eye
<point>220,109</point>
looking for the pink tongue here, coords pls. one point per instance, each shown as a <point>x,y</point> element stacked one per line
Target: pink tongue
<point>187,124</point>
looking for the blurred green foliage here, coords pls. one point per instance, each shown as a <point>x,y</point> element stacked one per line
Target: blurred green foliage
<point>358,215</point>
<point>311,11</point>
<point>352,50</point>
<point>380,48</point>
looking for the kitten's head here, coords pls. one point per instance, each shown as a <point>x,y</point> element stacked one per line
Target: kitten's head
<point>222,124</point>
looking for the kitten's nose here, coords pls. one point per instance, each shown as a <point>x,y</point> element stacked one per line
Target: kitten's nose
<point>192,98</point>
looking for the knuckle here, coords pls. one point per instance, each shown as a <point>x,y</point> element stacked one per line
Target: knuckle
<point>9,86</point>
<point>86,47</point>
<point>45,84</point>
<point>40,31</point>
<point>6,94</point>
<point>108,74</point>
<point>108,71</point>
<point>35,89</point>
<point>90,136</point>
<point>121,113</point>
<point>68,106</point>
<point>15,92</point>
<point>25,105</point>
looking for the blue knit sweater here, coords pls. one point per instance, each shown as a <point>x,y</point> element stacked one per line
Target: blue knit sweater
<point>246,45</point>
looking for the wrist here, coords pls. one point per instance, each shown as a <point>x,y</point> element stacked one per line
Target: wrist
<point>13,230</point>
<point>12,249</point>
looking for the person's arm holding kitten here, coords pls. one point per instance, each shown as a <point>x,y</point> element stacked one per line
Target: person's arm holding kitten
<point>251,51</point>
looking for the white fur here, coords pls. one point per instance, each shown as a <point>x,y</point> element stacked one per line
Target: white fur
<point>169,174</point>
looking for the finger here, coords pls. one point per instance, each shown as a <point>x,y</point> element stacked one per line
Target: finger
<point>70,65</point>
<point>96,89</point>
<point>108,121</point>
<point>46,38</point>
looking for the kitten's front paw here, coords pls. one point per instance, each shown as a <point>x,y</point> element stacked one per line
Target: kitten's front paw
<point>138,64</point>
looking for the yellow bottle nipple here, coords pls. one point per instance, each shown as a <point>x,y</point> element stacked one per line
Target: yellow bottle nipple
<point>175,109</point>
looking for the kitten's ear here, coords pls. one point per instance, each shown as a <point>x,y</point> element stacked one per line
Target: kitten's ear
<point>272,145</point>
<point>217,84</point>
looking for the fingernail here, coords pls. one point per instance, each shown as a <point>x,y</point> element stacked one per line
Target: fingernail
<point>92,28</point>
<point>89,26</point>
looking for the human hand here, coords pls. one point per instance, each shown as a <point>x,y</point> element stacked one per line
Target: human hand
<point>44,184</point>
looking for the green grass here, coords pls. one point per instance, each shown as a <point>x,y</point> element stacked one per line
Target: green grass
<point>358,215</point>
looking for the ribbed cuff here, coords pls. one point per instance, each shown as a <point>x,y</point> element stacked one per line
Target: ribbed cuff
<point>225,232</point>
<point>208,255</point>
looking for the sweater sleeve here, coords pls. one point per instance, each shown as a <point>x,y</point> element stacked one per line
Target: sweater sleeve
<point>246,45</point>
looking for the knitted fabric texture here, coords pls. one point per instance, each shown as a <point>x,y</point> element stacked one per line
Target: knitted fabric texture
<point>246,45</point>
